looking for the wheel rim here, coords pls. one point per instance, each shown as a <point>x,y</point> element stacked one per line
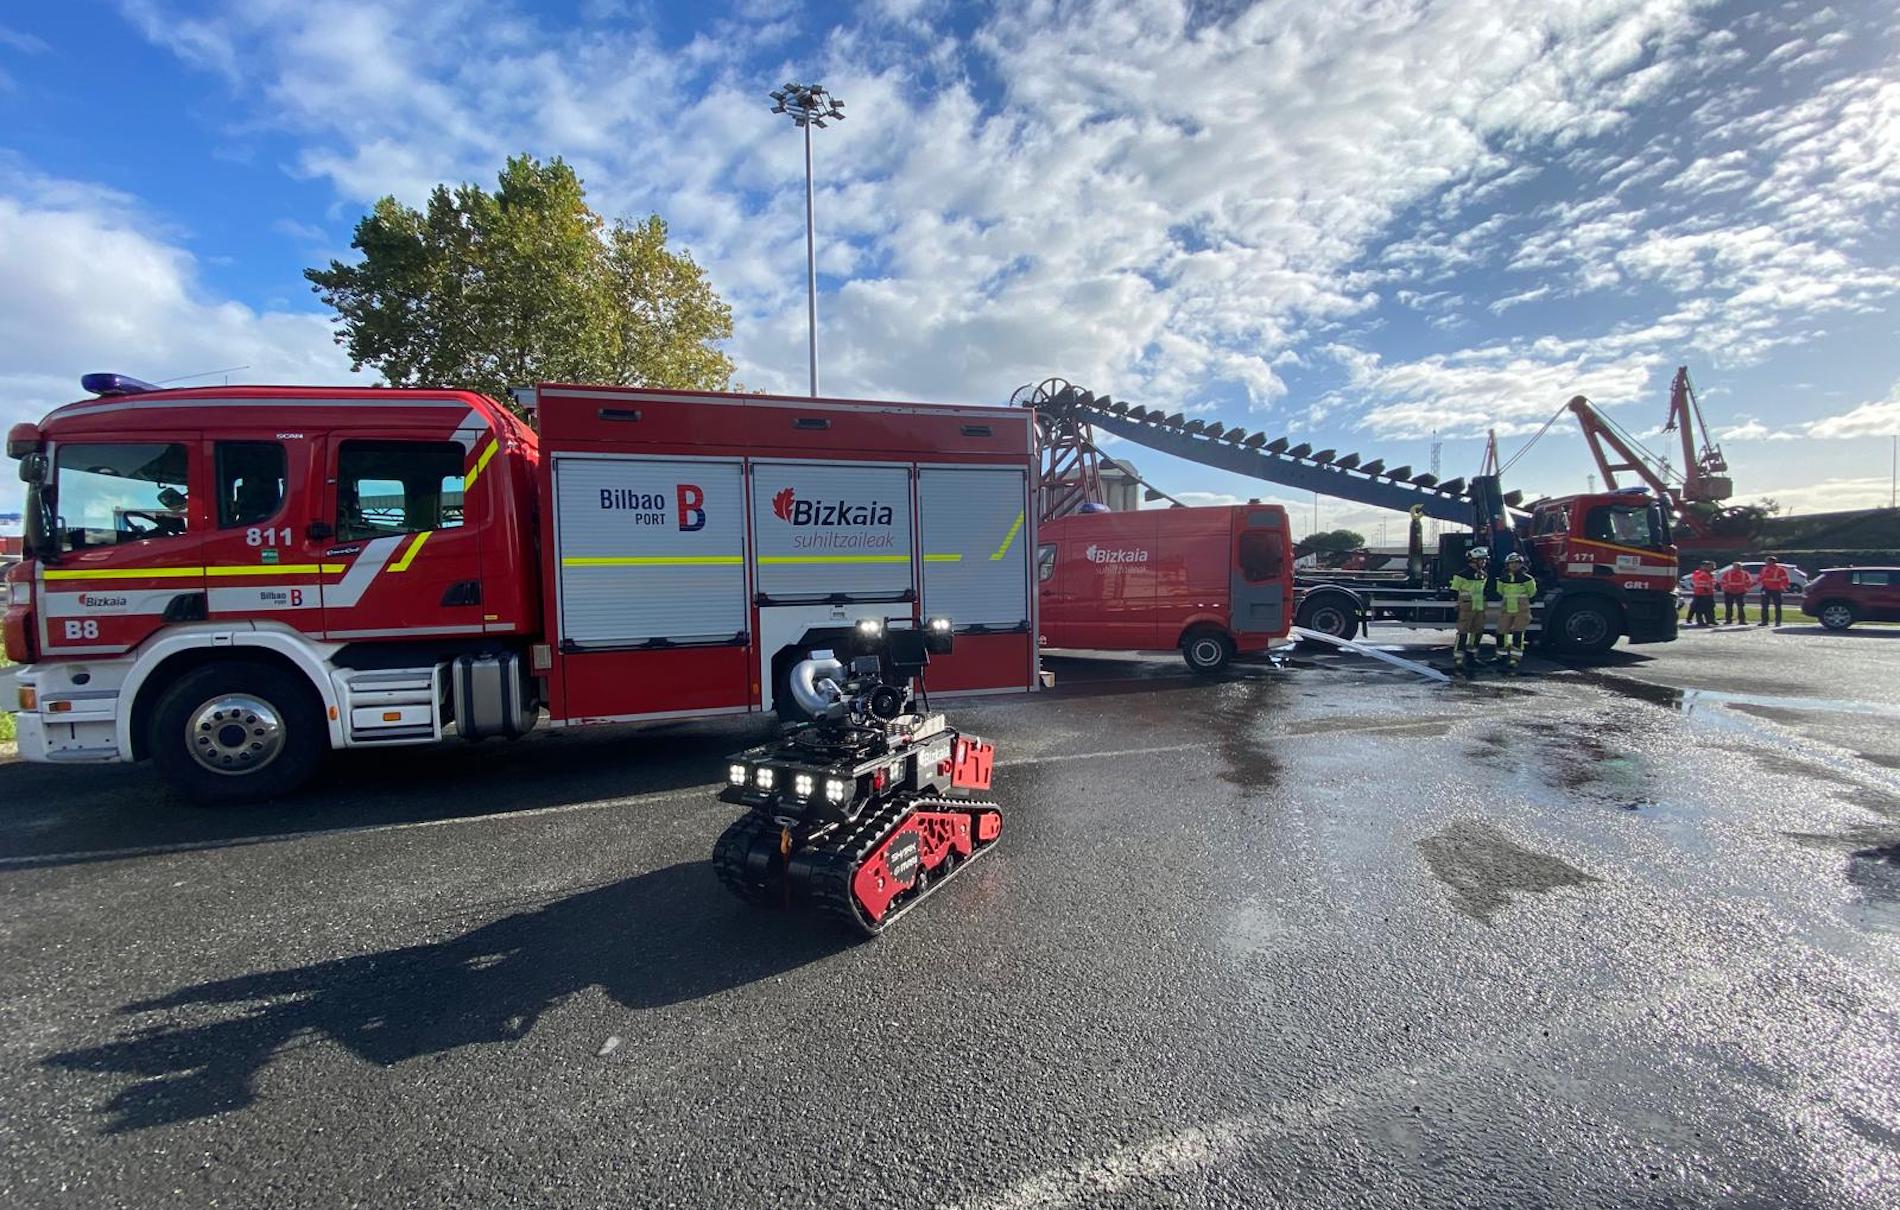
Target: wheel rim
<point>1837,615</point>
<point>1328,620</point>
<point>1206,652</point>
<point>235,733</point>
<point>1586,628</point>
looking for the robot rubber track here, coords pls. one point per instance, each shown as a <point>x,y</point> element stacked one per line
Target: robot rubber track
<point>867,873</point>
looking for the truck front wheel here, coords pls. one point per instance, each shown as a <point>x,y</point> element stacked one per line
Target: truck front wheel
<point>1207,651</point>
<point>1586,627</point>
<point>237,732</point>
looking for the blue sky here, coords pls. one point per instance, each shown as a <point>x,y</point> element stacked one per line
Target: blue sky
<point>1355,222</point>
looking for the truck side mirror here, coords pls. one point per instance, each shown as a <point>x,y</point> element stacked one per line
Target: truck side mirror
<point>33,468</point>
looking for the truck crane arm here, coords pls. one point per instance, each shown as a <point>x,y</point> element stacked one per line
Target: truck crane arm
<point>1232,449</point>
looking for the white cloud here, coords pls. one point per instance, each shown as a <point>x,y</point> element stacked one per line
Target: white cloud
<point>1828,495</point>
<point>1161,203</point>
<point>1880,418</point>
<point>1512,390</point>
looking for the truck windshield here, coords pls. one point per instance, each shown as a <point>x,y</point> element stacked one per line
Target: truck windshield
<point>105,494</point>
<point>1624,524</point>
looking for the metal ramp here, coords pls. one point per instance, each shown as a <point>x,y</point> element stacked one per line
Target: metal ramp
<point>1361,648</point>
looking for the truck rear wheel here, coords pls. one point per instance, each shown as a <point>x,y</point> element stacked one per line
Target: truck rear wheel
<point>1207,651</point>
<point>1588,627</point>
<point>237,732</point>
<point>1328,613</point>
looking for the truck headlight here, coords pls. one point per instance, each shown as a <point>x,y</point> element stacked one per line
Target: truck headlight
<point>802,784</point>
<point>764,778</point>
<point>870,628</point>
<point>735,774</point>
<point>835,789</point>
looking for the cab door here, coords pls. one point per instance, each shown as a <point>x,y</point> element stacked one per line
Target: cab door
<point>407,550</point>
<point>264,558</point>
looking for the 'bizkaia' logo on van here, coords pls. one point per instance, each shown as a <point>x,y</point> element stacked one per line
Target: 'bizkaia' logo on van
<point>1101,554</point>
<point>788,507</point>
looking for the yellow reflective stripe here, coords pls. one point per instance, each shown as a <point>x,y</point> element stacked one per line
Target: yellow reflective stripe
<point>468,480</point>
<point>1009,538</point>
<point>181,573</point>
<point>652,561</point>
<point>125,573</point>
<point>943,558</point>
<point>834,558</point>
<point>409,556</point>
<point>266,569</point>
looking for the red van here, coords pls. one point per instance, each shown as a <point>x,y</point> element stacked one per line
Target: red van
<point>1207,581</point>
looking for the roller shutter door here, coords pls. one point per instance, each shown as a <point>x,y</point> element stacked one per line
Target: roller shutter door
<point>831,529</point>
<point>976,555</point>
<point>650,549</point>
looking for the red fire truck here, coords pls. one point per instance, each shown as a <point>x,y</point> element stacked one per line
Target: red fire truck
<point>230,580</point>
<point>1208,581</point>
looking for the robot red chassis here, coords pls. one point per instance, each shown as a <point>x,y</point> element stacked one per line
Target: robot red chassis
<point>861,813</point>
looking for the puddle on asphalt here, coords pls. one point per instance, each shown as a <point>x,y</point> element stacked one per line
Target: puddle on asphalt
<point>1249,761</point>
<point>1873,867</point>
<point>1484,868</point>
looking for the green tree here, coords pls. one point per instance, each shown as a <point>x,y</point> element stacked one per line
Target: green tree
<point>486,291</point>
<point>1329,542</point>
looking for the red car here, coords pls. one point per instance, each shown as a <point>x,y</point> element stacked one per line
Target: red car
<point>1841,596</point>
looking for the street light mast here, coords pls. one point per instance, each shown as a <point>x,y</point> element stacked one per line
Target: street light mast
<point>809,105</point>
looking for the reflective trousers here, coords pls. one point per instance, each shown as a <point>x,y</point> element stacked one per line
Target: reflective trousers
<point>1511,628</point>
<point>1470,626</point>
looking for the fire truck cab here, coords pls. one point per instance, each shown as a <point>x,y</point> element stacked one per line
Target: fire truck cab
<point>230,581</point>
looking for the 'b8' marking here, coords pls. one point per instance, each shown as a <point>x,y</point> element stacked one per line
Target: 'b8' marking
<point>78,628</point>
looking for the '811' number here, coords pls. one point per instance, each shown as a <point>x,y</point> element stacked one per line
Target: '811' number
<point>267,537</point>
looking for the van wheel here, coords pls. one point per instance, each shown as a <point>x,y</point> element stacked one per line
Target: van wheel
<point>237,732</point>
<point>1207,651</point>
<point>1837,615</point>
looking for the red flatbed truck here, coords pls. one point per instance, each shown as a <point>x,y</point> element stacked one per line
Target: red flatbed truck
<point>1208,582</point>
<point>232,580</point>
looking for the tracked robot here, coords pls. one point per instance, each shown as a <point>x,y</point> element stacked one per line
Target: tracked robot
<point>863,812</point>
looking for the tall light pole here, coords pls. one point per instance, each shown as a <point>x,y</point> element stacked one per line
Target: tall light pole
<point>809,105</point>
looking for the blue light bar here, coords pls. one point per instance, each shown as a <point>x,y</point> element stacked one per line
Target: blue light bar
<point>114,384</point>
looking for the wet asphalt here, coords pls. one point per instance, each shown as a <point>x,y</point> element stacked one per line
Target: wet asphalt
<point>1314,935</point>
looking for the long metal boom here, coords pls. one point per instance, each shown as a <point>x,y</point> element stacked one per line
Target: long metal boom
<point>1302,473</point>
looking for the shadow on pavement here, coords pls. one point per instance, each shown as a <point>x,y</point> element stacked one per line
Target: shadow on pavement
<point>66,813</point>
<point>660,938</point>
<point>1853,632</point>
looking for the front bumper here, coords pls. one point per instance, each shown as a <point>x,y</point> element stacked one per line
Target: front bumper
<point>72,723</point>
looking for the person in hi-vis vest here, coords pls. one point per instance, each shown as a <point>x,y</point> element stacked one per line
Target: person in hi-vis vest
<point>1469,584</point>
<point>1735,582</point>
<point>1516,587</point>
<point>1774,581</point>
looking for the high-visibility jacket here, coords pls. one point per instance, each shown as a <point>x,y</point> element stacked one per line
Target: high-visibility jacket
<point>1703,581</point>
<point>1774,578</point>
<point>1517,591</point>
<point>1469,585</point>
<point>1736,579</point>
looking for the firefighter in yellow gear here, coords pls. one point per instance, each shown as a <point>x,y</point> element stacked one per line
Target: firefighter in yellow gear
<point>1469,585</point>
<point>1516,587</point>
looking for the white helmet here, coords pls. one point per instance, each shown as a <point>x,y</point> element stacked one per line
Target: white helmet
<point>1513,557</point>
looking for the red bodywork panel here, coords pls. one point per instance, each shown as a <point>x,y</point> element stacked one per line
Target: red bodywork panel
<point>1138,581</point>
<point>919,845</point>
<point>971,763</point>
<point>729,434</point>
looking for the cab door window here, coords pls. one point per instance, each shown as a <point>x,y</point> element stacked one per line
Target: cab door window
<point>1045,561</point>
<point>107,494</point>
<point>251,477</point>
<point>397,487</point>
